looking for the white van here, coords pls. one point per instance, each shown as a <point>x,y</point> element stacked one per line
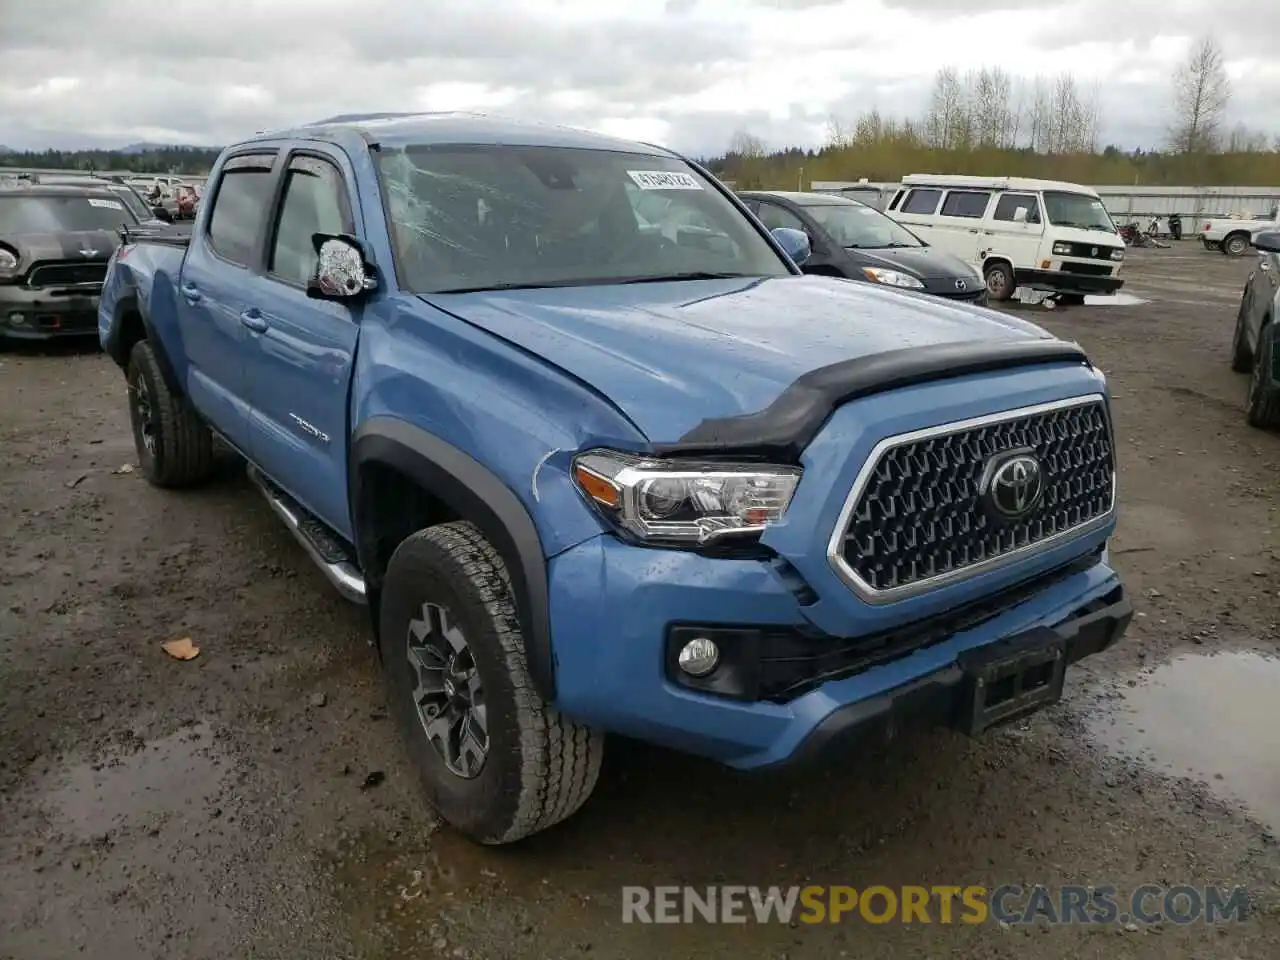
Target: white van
<point>1041,234</point>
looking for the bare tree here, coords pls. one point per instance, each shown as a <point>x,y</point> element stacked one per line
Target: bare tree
<point>990,91</point>
<point>1244,139</point>
<point>747,145</point>
<point>946,105</point>
<point>1201,92</point>
<point>837,132</point>
<point>1040,115</point>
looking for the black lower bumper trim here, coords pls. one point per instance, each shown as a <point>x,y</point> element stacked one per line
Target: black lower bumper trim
<point>945,698</point>
<point>1062,281</point>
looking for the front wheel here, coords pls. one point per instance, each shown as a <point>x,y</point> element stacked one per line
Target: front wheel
<point>1000,281</point>
<point>497,762</point>
<point>1264,395</point>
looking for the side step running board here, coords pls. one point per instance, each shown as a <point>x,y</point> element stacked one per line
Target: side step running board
<point>321,546</point>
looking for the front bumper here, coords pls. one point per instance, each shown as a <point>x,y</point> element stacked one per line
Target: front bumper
<point>27,314</point>
<point>939,699</point>
<point>614,606</point>
<point>1063,281</point>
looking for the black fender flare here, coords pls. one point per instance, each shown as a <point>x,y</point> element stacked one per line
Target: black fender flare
<point>475,494</point>
<point>118,349</point>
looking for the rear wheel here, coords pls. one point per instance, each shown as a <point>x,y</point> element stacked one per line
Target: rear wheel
<point>497,762</point>
<point>1264,395</point>
<point>175,448</point>
<point>1000,281</point>
<point>1236,245</point>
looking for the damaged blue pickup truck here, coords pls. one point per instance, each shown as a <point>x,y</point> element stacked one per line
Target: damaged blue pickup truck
<point>600,458</point>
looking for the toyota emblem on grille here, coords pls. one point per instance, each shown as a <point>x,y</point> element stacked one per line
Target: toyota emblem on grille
<point>1013,485</point>
<point>962,285</point>
<point>1093,252</point>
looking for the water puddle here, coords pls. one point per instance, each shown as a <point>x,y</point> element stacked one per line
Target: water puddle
<point>1215,718</point>
<point>1114,300</point>
<point>165,776</point>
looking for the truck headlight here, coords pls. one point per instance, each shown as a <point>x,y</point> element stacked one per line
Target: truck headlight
<point>684,502</point>
<point>1117,253</point>
<point>1062,249</point>
<point>892,278</point>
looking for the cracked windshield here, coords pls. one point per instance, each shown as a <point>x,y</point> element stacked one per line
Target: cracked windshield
<point>480,218</point>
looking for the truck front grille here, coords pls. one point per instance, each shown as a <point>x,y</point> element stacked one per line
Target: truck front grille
<point>917,517</point>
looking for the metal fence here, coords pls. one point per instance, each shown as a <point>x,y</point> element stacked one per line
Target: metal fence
<point>1125,203</point>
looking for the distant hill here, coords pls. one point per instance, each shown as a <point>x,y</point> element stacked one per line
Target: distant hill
<point>4,149</point>
<point>145,147</point>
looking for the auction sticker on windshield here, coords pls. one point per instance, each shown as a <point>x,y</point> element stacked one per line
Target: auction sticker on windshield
<point>106,204</point>
<point>664,180</point>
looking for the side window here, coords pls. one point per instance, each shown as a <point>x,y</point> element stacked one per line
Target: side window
<point>314,201</point>
<point>897,198</point>
<point>921,201</point>
<point>774,216</point>
<point>1010,202</point>
<point>240,205</point>
<point>965,203</point>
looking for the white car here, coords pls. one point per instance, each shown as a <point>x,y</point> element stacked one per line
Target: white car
<point>1234,237</point>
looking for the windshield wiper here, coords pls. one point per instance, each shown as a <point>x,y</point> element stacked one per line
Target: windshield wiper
<point>690,275</point>
<point>510,285</point>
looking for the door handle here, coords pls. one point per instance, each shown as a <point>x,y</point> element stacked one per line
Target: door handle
<point>254,320</point>
<point>973,230</point>
<point>191,293</point>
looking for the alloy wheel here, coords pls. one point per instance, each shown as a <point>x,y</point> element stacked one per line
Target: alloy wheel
<point>448,695</point>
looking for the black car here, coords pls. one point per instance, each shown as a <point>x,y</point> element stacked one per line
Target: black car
<point>55,242</point>
<point>1255,346</point>
<point>148,214</point>
<point>850,239</point>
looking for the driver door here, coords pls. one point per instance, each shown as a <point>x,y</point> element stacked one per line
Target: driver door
<point>301,351</point>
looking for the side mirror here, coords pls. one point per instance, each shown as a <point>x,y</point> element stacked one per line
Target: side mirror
<point>161,213</point>
<point>342,270</point>
<point>794,242</point>
<point>1268,241</point>
<point>1020,215</point>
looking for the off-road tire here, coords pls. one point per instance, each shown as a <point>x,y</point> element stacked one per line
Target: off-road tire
<point>1264,395</point>
<point>540,767</point>
<point>1241,357</point>
<point>183,448</point>
<point>1235,244</point>
<point>1000,281</point>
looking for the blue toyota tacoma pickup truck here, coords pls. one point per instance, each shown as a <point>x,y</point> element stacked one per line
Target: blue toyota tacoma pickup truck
<point>595,472</point>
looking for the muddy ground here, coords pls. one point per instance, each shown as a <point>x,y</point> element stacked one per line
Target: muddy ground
<point>222,807</point>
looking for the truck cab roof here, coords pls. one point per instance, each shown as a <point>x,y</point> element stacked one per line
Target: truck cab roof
<point>456,127</point>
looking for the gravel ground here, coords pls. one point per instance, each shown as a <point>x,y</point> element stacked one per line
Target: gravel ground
<point>255,802</point>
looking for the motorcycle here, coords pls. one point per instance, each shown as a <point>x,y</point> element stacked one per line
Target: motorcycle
<point>1175,226</point>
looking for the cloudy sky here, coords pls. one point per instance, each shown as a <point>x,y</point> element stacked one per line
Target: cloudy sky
<point>688,73</point>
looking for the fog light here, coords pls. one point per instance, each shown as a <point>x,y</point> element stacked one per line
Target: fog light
<point>17,319</point>
<point>699,657</point>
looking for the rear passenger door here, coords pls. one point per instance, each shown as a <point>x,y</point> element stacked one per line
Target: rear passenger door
<point>301,351</point>
<point>220,263</point>
<point>1009,236</point>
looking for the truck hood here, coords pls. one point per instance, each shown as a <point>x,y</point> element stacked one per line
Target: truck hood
<point>670,355</point>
